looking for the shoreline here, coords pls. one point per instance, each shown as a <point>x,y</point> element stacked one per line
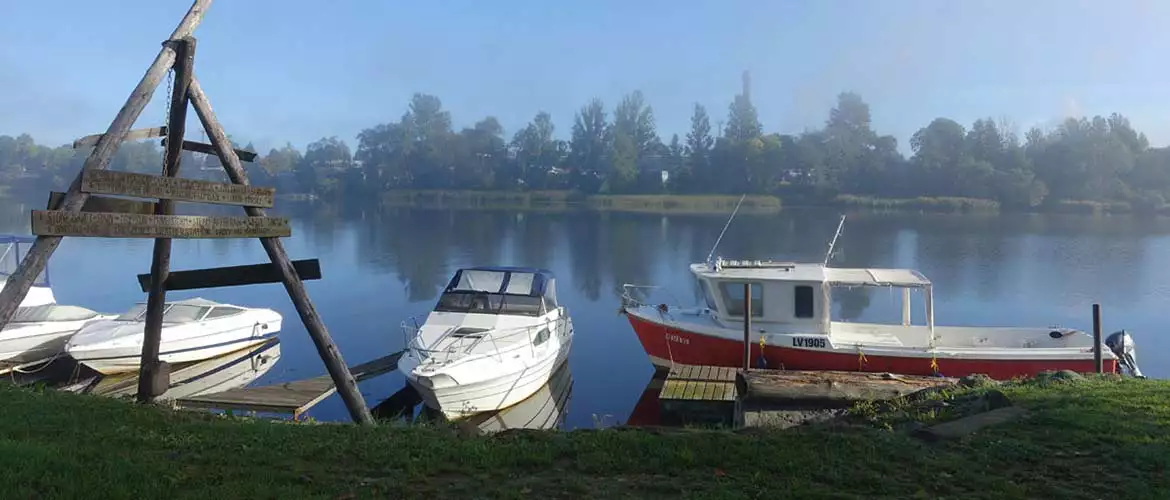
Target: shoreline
<point>60,444</point>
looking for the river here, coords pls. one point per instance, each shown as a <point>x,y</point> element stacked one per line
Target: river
<point>381,267</point>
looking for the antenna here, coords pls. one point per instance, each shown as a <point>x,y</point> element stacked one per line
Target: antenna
<point>829,254</point>
<point>729,219</point>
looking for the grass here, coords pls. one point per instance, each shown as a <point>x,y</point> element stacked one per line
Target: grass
<point>562,200</point>
<point>1089,439</point>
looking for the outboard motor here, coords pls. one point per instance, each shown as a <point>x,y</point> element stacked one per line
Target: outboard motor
<point>1124,348</point>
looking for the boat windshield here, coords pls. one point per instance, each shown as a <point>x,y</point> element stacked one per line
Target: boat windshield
<point>489,303</point>
<point>174,313</point>
<point>12,250</point>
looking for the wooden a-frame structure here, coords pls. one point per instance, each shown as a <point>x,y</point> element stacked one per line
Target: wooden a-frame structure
<point>77,213</point>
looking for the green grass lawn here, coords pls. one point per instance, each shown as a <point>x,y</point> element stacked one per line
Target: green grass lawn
<point>1090,439</point>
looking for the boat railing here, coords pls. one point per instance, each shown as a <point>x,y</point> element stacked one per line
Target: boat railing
<point>640,295</point>
<point>466,346</point>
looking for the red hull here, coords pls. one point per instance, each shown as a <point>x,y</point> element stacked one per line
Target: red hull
<point>691,348</point>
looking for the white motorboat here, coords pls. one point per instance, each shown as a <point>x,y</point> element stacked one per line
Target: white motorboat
<point>193,330</point>
<point>494,338</point>
<point>40,327</point>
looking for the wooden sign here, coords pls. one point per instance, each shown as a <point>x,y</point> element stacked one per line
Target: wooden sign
<point>175,188</point>
<point>132,135</point>
<point>105,204</point>
<point>109,225</point>
<point>203,147</point>
<point>308,269</point>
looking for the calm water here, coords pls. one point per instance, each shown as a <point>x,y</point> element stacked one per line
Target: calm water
<point>381,267</point>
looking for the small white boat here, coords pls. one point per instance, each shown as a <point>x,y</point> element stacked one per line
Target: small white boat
<point>193,330</point>
<point>40,327</point>
<point>230,371</point>
<point>494,338</point>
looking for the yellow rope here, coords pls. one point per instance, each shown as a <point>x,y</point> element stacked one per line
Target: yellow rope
<point>933,362</point>
<point>861,361</point>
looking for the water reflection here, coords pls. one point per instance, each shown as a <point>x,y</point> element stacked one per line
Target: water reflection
<point>545,409</point>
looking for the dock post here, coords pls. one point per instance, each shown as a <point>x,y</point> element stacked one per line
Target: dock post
<point>1098,362</point>
<point>151,376</point>
<point>747,325</point>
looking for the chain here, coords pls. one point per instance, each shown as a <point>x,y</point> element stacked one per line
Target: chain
<point>167,116</point>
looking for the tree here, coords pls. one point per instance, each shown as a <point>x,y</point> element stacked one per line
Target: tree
<point>589,144</point>
<point>698,147</point>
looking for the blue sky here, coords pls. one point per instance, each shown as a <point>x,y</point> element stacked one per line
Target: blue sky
<point>296,71</point>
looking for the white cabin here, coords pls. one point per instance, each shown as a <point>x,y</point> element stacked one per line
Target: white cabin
<point>795,296</point>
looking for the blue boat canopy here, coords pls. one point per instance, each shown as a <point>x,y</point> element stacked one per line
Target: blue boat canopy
<point>507,280</point>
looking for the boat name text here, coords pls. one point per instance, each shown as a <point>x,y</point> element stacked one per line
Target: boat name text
<point>817,342</point>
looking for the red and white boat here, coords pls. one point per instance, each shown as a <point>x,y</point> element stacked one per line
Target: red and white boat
<point>790,323</point>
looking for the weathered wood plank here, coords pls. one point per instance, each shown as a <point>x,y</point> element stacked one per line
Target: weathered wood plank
<point>709,390</point>
<point>202,147</point>
<point>133,135</point>
<point>833,386</point>
<point>175,188</point>
<point>109,225</point>
<point>307,269</point>
<point>105,204</point>
<point>37,257</point>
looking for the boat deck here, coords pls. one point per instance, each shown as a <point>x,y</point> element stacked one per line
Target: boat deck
<point>294,397</point>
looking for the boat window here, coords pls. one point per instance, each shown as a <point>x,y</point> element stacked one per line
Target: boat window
<point>708,296</point>
<point>221,312</point>
<point>489,303</point>
<point>733,298</point>
<point>184,313</point>
<point>133,314</point>
<point>802,301</point>
<point>541,336</point>
<point>520,283</point>
<point>480,281</point>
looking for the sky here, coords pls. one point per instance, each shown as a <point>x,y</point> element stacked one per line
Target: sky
<point>294,71</point>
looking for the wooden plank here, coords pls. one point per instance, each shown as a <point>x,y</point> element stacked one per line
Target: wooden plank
<point>175,188</point>
<point>202,147</point>
<point>294,397</point>
<point>705,372</point>
<point>109,225</point>
<point>38,255</point>
<point>689,392</point>
<point>307,269</point>
<point>133,135</point>
<point>355,403</point>
<point>669,390</point>
<point>709,391</point>
<point>105,204</point>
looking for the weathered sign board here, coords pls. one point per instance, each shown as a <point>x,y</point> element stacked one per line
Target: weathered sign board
<point>105,204</point>
<point>175,188</point>
<point>113,225</point>
<point>308,269</point>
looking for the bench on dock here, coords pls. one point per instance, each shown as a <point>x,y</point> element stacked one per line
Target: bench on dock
<point>294,397</point>
<point>698,394</point>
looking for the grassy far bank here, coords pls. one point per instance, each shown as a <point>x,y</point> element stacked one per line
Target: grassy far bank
<point>559,200</point>
<point>1087,439</point>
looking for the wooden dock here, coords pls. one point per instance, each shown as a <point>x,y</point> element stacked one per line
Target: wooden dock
<point>294,397</point>
<point>698,394</point>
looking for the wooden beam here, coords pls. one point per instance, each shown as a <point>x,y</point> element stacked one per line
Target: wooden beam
<point>175,188</point>
<point>133,135</point>
<point>330,355</point>
<point>202,147</point>
<point>153,375</point>
<point>110,225</point>
<point>308,269</point>
<point>105,204</point>
<point>33,264</point>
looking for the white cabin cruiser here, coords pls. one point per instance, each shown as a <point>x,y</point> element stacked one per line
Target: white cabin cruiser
<point>495,337</point>
<point>40,327</point>
<point>192,330</point>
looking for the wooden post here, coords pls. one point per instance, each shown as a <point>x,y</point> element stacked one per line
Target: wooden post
<point>1097,361</point>
<point>330,355</point>
<point>38,255</point>
<point>747,326</point>
<point>160,264</point>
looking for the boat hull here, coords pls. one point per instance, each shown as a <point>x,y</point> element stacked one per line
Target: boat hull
<point>118,359</point>
<point>490,394</point>
<point>667,344</point>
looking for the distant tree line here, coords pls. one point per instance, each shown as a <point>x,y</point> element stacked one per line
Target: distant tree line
<point>1083,159</point>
